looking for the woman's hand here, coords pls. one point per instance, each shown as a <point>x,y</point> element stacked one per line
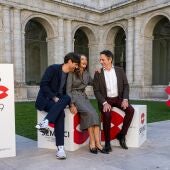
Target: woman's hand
<point>73,109</point>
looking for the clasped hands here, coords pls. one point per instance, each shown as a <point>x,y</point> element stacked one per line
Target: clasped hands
<point>108,107</point>
<point>73,108</point>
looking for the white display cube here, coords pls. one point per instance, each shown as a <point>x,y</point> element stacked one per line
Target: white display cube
<point>74,138</point>
<point>137,133</point>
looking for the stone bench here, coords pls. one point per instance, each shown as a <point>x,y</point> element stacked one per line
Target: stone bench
<point>74,138</point>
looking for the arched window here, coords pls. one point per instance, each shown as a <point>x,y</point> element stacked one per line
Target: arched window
<point>161,53</point>
<point>35,52</point>
<point>81,43</point>
<point>120,49</point>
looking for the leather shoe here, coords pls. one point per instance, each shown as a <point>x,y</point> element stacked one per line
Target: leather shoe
<point>122,141</point>
<point>93,150</point>
<point>108,148</point>
<point>103,150</point>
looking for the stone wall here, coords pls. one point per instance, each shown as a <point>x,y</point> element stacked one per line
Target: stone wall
<point>61,20</point>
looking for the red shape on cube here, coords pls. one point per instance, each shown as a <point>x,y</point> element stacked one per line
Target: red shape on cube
<point>79,136</point>
<point>142,118</point>
<point>3,91</point>
<point>51,125</point>
<point>116,121</point>
<point>167,90</point>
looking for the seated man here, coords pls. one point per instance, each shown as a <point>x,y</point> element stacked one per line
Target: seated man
<point>53,99</point>
<point>111,89</point>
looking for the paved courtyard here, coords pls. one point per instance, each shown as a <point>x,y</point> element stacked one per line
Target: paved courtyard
<point>154,154</point>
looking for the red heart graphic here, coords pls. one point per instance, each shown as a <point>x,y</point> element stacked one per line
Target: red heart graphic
<point>3,89</point>
<point>116,121</point>
<point>79,136</point>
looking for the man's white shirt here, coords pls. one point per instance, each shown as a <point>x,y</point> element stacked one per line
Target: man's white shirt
<point>111,82</point>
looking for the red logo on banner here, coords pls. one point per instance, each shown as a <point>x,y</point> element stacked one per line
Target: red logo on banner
<point>116,121</point>
<point>3,91</point>
<point>79,136</point>
<point>142,118</point>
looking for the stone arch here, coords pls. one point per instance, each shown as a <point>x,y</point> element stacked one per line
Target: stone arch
<point>112,44</point>
<point>43,53</point>
<point>152,19</point>
<point>111,31</point>
<point>45,21</point>
<point>147,31</point>
<point>92,44</point>
<point>89,31</point>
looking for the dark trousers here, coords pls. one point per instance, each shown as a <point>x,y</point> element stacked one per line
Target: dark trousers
<point>56,115</point>
<point>129,112</point>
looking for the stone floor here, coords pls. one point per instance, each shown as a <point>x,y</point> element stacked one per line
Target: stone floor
<point>154,154</point>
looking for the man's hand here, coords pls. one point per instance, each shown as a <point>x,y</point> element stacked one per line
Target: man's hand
<point>98,70</point>
<point>124,104</point>
<point>56,99</point>
<point>73,109</point>
<point>106,107</point>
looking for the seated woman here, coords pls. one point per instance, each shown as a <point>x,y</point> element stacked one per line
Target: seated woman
<point>89,119</point>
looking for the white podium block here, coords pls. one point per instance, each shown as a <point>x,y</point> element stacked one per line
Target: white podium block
<point>7,112</point>
<point>137,133</point>
<point>74,138</point>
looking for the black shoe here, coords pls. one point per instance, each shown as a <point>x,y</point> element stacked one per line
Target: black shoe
<point>103,150</point>
<point>108,148</point>
<point>93,150</point>
<point>122,141</point>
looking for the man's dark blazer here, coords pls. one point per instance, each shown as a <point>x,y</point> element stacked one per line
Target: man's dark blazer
<point>49,86</point>
<point>99,86</point>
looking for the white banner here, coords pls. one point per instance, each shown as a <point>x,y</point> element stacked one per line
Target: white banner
<point>7,113</point>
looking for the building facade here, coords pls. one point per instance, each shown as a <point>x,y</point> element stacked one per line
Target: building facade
<point>37,33</point>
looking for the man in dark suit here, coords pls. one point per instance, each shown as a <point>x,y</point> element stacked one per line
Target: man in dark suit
<point>111,89</point>
<point>53,99</point>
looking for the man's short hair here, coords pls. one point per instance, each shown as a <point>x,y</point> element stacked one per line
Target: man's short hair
<point>107,53</point>
<point>75,58</point>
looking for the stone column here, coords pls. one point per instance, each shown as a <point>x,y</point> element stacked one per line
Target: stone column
<point>60,40</point>
<point>53,50</point>
<point>18,63</point>
<point>69,41</point>
<point>93,58</point>
<point>138,57</point>
<point>23,54</point>
<point>129,50</point>
<point>7,35</point>
<point>100,46</point>
<point>148,49</point>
